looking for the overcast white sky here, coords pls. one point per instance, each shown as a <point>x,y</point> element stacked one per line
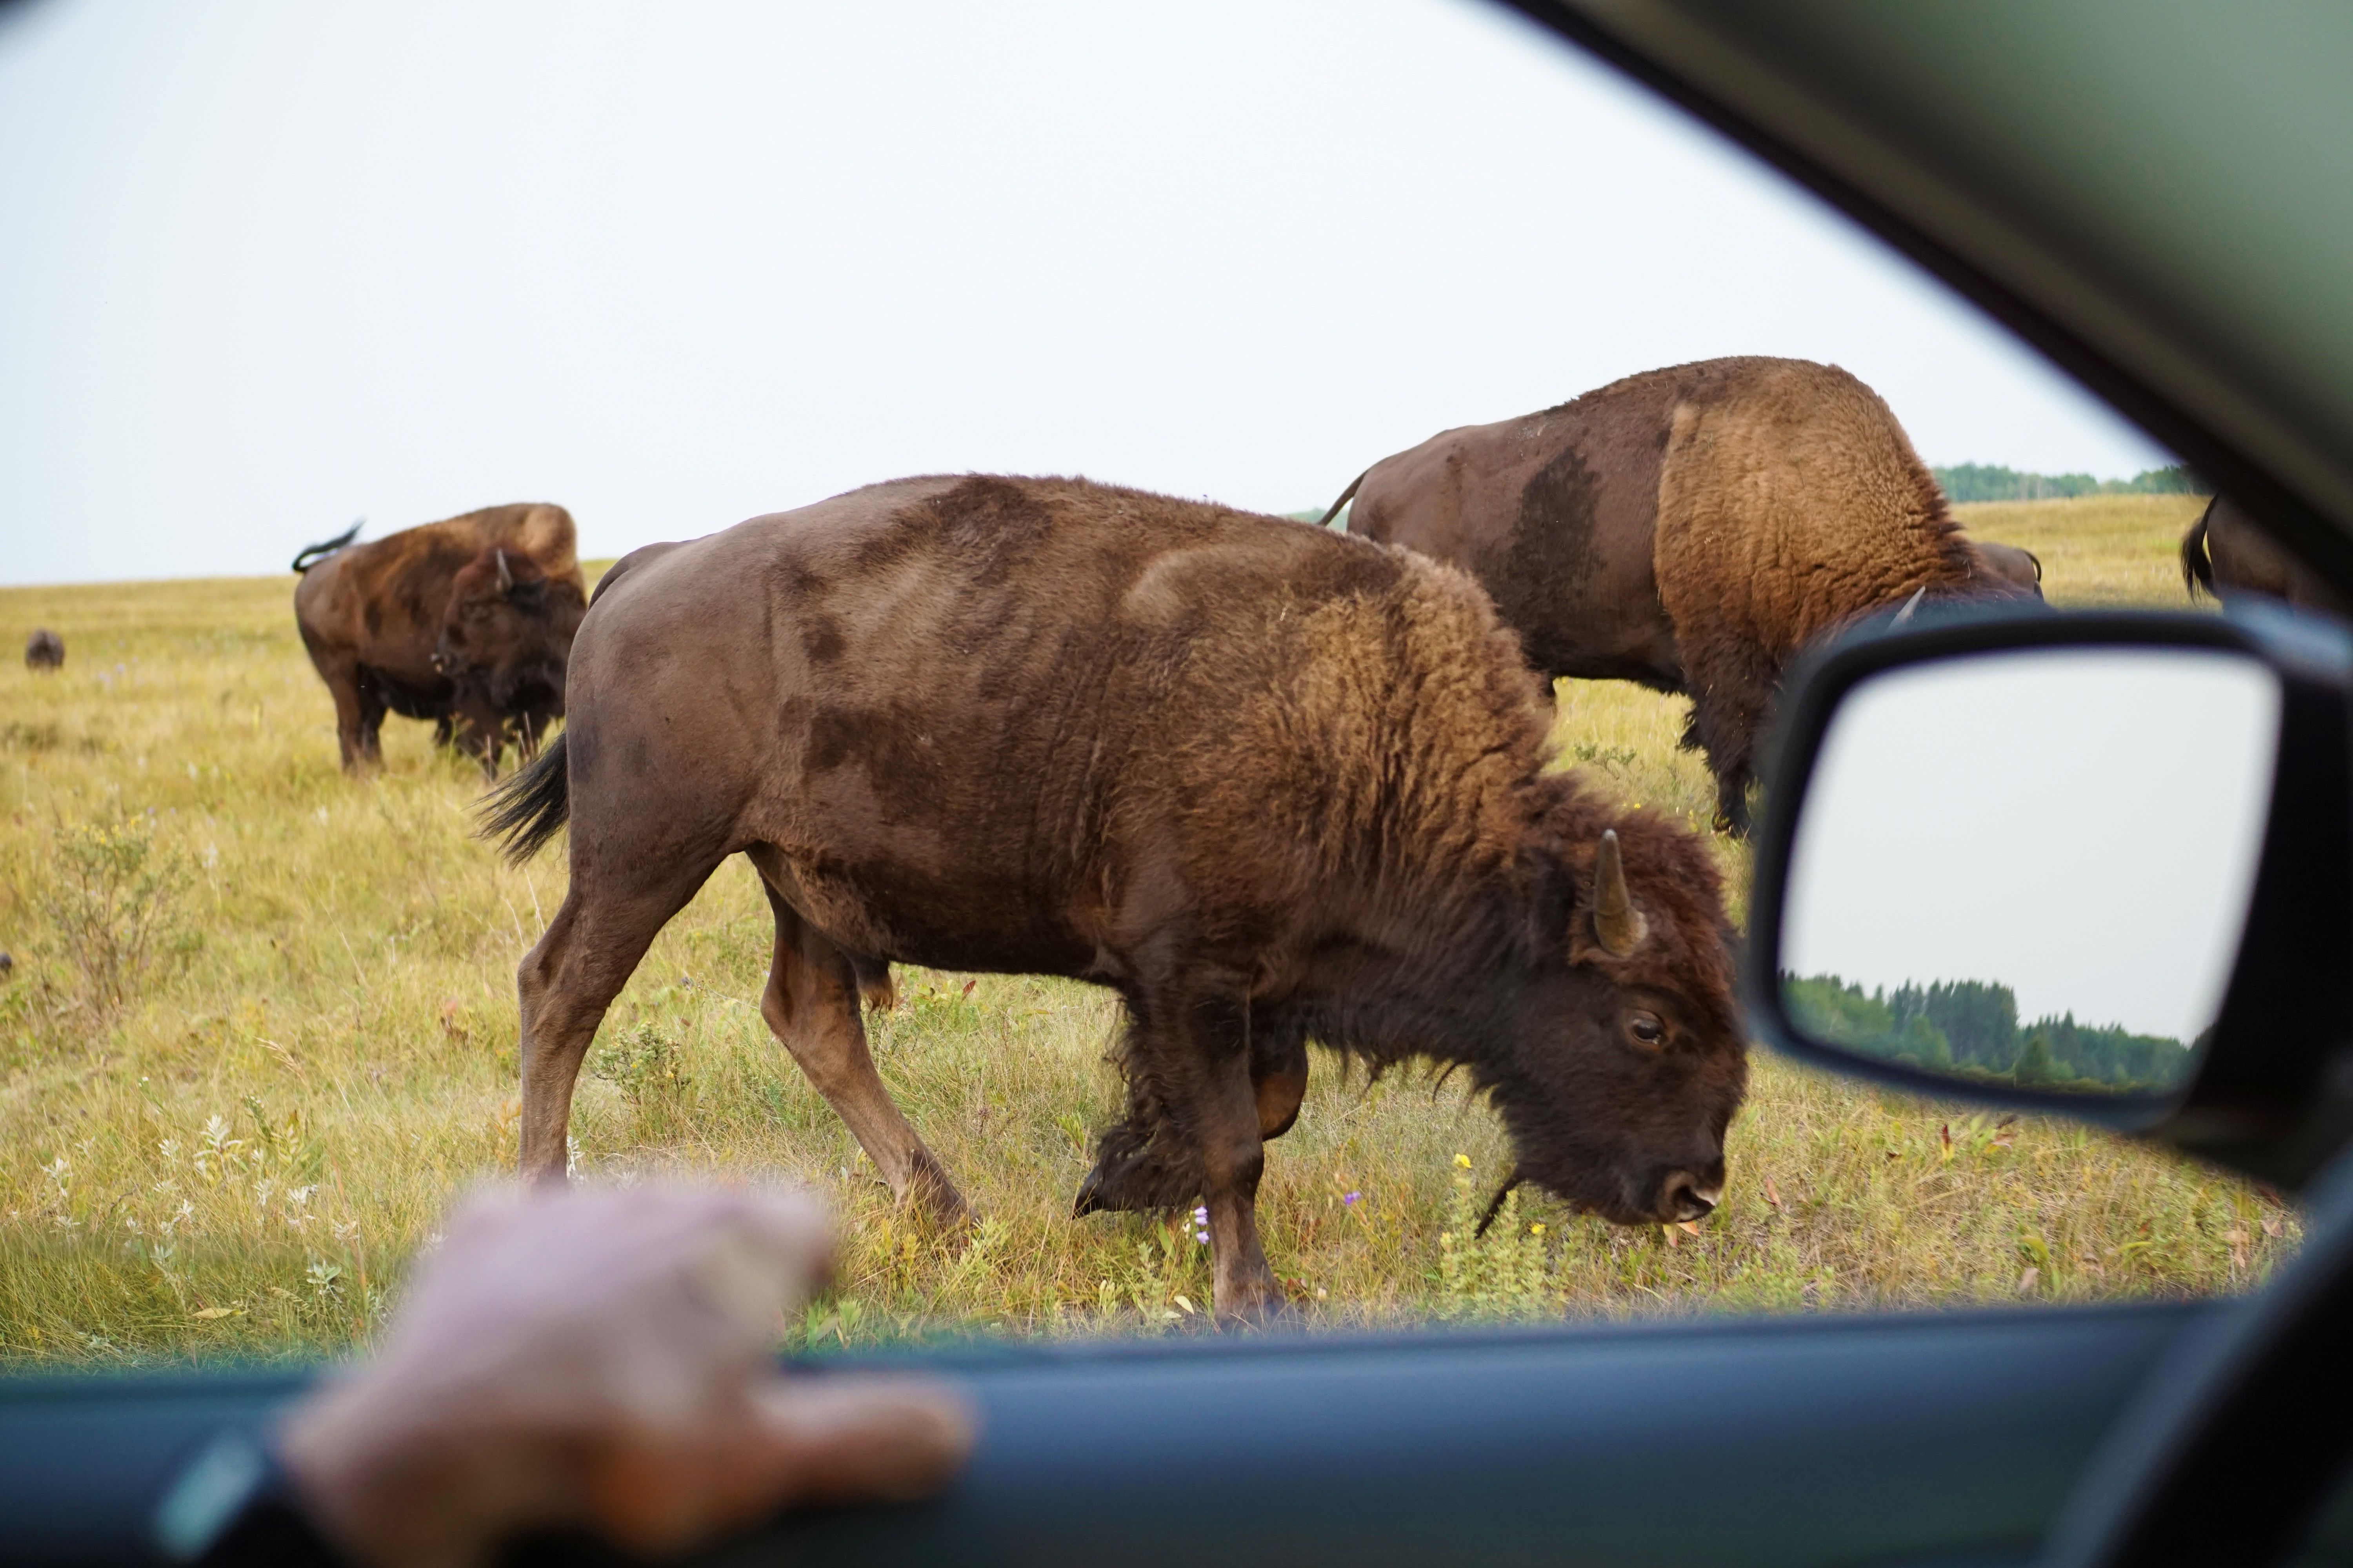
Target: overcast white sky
<point>2057,783</point>
<point>269,265</point>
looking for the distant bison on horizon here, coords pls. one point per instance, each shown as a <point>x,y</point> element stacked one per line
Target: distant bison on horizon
<point>1272,784</point>
<point>45,651</point>
<point>467,621</point>
<point>1689,530</point>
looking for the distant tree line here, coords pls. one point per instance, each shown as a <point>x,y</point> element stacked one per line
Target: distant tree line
<point>1969,1028</point>
<point>1984,481</point>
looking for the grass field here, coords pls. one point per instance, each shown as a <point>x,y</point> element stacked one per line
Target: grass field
<point>262,1025</point>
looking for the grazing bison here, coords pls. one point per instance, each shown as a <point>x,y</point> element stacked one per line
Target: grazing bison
<point>1687,529</point>
<point>1269,784</point>
<point>45,651</point>
<point>466,621</point>
<point>2021,568</point>
<point>2226,553</point>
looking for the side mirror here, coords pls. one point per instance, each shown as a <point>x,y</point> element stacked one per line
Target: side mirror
<point>2099,864</point>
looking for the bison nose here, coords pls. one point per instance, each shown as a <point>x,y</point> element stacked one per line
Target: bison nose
<point>1685,1196</point>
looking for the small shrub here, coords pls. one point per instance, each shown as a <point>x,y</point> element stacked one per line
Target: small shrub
<point>111,900</point>
<point>1507,1272</point>
<point>646,1066</point>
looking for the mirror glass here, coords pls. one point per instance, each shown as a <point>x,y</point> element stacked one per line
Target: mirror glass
<point>2032,869</point>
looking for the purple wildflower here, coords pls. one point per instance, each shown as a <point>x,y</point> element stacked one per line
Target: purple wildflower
<point>1350,1201</point>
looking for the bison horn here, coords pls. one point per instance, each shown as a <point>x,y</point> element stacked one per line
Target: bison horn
<point>1616,921</point>
<point>1913,603</point>
<point>506,578</point>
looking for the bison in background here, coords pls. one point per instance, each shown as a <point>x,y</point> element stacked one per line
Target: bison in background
<point>2226,553</point>
<point>1272,784</point>
<point>1687,529</point>
<point>2021,568</point>
<point>504,642</point>
<point>45,651</point>
<point>465,622</point>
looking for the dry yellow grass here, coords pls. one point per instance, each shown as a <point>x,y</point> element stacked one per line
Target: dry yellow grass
<point>2098,550</point>
<point>322,1049</point>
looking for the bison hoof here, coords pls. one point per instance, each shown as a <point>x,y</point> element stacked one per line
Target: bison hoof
<point>930,1190</point>
<point>1259,1305</point>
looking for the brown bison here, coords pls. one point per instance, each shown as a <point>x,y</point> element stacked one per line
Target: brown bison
<point>1271,783</point>
<point>1687,529</point>
<point>465,622</point>
<point>2021,568</point>
<point>45,651</point>
<point>2226,553</point>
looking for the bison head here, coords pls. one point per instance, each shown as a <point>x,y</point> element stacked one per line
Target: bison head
<point>509,625</point>
<point>1623,1062</point>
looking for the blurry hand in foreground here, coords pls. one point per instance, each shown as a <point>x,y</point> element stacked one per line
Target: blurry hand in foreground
<point>605,1360</point>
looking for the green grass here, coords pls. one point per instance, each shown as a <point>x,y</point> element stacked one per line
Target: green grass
<point>318,1048</point>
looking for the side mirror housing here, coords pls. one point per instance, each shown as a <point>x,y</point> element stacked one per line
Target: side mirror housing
<point>2097,864</point>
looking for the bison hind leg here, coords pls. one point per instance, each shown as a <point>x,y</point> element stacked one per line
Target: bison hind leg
<point>1137,1173</point>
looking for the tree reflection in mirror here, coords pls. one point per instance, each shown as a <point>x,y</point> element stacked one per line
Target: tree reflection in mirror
<point>2032,869</point>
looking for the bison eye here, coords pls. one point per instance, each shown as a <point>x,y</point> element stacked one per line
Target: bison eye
<point>1646,1029</point>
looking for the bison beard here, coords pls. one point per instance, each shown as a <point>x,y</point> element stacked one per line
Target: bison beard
<point>1269,784</point>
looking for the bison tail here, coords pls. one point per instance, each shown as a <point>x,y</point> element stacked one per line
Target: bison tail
<point>1345,497</point>
<point>2197,560</point>
<point>310,555</point>
<point>528,808</point>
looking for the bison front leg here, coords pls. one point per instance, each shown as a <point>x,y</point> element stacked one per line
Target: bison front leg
<point>1137,1170</point>
<point>1227,1123</point>
<point>1724,725</point>
<point>480,732</point>
<point>1196,1121</point>
<point>1277,1073</point>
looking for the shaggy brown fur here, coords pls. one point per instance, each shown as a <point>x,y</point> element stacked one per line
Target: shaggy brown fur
<point>1688,529</point>
<point>385,633</point>
<point>1271,783</point>
<point>2226,553</point>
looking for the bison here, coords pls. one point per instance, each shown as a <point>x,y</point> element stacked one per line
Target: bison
<point>1687,529</point>
<point>1269,784</point>
<point>45,651</point>
<point>2226,553</point>
<point>467,621</point>
<point>2022,568</point>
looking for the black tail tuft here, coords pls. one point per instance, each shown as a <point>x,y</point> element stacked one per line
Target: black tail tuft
<point>528,808</point>
<point>310,556</point>
<point>2198,558</point>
